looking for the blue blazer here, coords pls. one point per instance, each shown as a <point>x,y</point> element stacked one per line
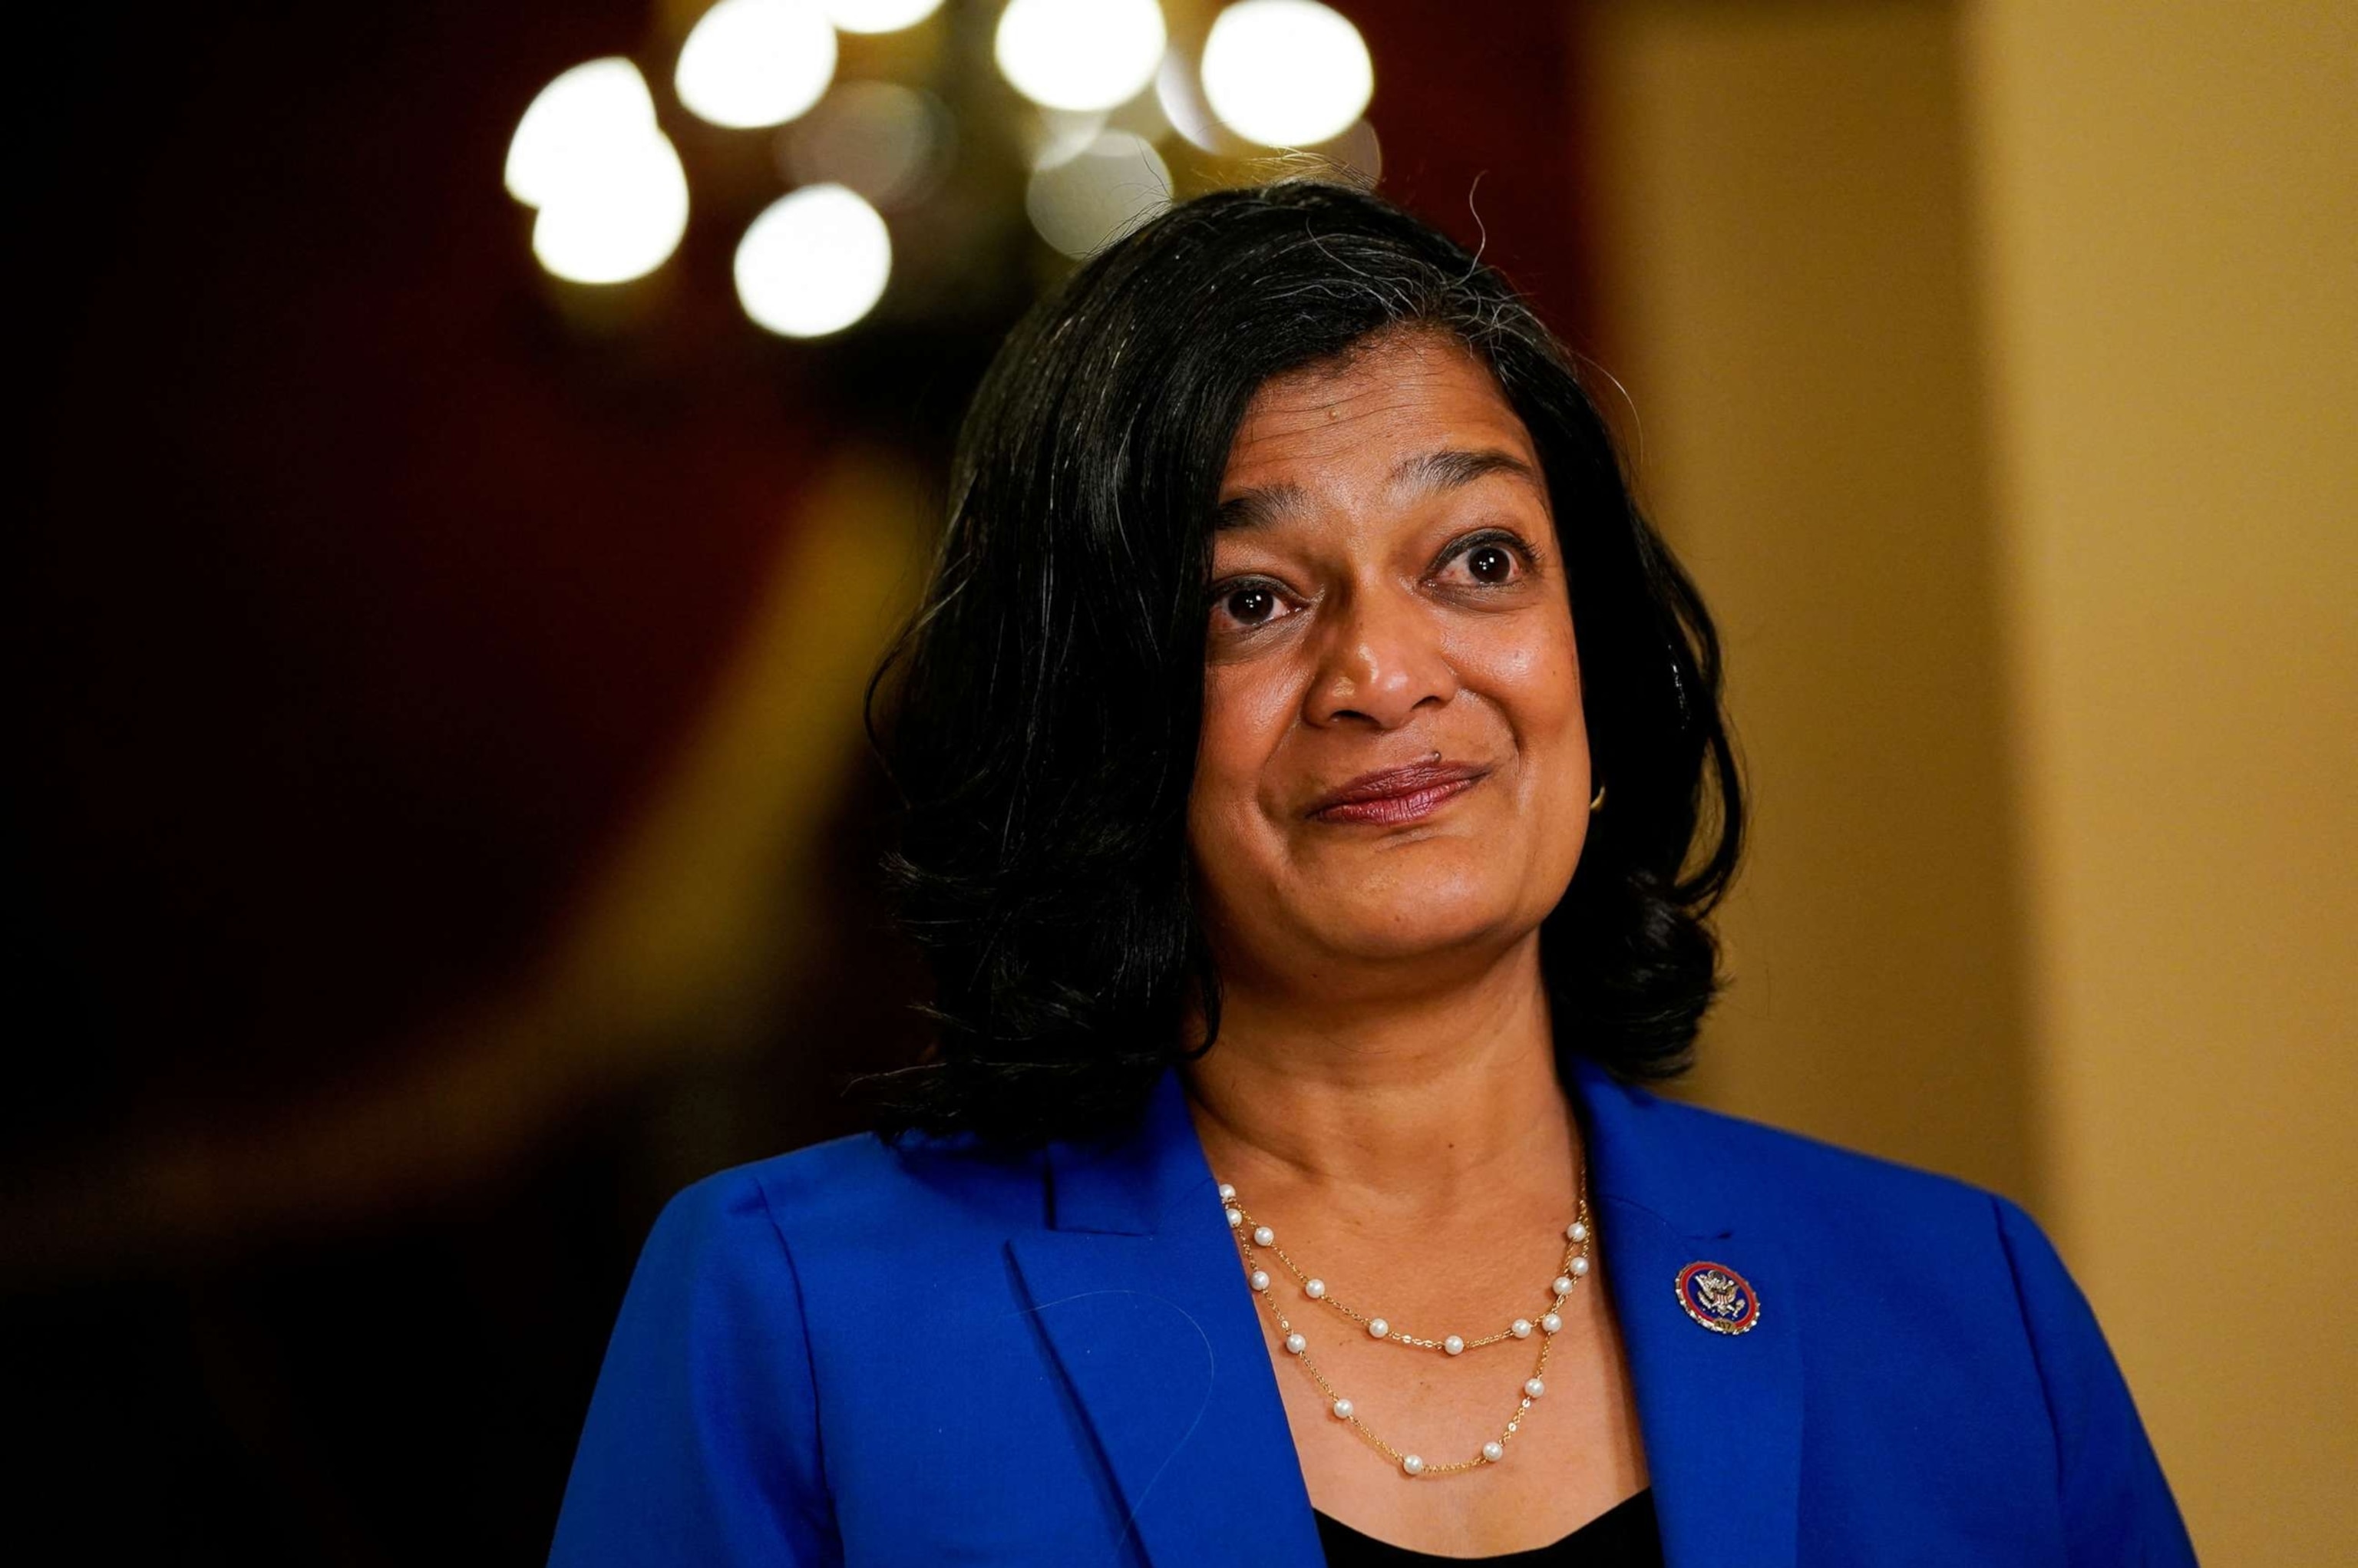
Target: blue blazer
<point>939,1354</point>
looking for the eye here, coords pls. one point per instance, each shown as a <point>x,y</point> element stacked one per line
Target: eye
<point>1491,563</point>
<point>1494,558</point>
<point>1249,603</point>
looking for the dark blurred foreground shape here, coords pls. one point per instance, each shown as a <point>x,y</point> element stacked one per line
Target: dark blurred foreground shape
<point>441,826</point>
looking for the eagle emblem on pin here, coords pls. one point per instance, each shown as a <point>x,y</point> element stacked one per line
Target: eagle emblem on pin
<point>1719,1298</point>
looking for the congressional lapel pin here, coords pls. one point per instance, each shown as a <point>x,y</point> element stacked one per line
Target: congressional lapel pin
<point>1719,1298</point>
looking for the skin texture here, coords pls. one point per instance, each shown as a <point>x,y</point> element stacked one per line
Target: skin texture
<point>1383,1092</point>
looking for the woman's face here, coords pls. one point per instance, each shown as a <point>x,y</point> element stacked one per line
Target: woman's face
<point>1387,601</point>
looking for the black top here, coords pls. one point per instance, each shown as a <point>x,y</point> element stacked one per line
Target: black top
<point>1623,1536</point>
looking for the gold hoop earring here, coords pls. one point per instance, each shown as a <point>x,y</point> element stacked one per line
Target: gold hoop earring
<point>1597,801</point>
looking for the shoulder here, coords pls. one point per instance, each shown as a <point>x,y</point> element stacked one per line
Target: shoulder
<point>1862,1219</point>
<point>1762,1178</point>
<point>1895,1263</point>
<point>852,1199</point>
<point>1922,1280</point>
<point>756,1290</point>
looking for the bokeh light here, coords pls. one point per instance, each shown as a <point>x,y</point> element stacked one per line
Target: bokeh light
<point>626,229</point>
<point>1181,98</point>
<point>878,15</point>
<point>1286,73</point>
<point>890,142</point>
<point>1080,54</point>
<point>611,194</point>
<point>579,120</point>
<point>814,261</point>
<point>1098,194</point>
<point>756,62</point>
<point>1052,135</point>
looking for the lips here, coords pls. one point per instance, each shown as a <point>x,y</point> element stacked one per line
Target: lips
<point>1397,794</point>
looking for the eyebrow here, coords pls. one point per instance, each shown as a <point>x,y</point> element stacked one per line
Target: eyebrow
<point>1427,473</point>
<point>1253,508</point>
<point>1434,472</point>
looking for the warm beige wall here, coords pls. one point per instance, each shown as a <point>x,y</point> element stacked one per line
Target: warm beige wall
<point>1790,297</point>
<point>1994,366</point>
<point>2170,200</point>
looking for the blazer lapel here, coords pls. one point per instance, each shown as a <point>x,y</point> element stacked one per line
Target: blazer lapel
<point>1136,1290</point>
<point>1721,1413</point>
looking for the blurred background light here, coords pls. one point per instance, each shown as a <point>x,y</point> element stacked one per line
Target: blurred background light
<point>1181,98</point>
<point>611,194</point>
<point>814,261</point>
<point>576,123</point>
<point>1080,54</point>
<point>878,15</point>
<point>1098,194</point>
<point>892,143</point>
<point>756,62</point>
<point>1286,73</point>
<point>1055,135</point>
<point>625,225</point>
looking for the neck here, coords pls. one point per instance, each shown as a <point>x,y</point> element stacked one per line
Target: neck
<point>1415,1097</point>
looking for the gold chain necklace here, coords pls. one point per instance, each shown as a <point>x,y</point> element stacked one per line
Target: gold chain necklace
<point>1253,1237</point>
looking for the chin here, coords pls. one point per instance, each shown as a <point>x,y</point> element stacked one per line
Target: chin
<point>1412,923</point>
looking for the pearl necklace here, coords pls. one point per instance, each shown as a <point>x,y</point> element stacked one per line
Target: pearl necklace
<point>1251,1234</point>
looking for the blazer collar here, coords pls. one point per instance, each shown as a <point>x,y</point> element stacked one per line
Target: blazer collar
<point>1720,1413</point>
<point>1132,1184</point>
<point>1136,1288</point>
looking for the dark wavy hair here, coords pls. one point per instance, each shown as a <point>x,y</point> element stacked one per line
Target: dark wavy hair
<point>1039,714</point>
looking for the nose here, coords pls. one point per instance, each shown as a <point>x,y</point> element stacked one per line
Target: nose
<point>1380,662</point>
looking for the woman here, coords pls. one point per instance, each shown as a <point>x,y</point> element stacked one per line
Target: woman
<point>1316,787</point>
